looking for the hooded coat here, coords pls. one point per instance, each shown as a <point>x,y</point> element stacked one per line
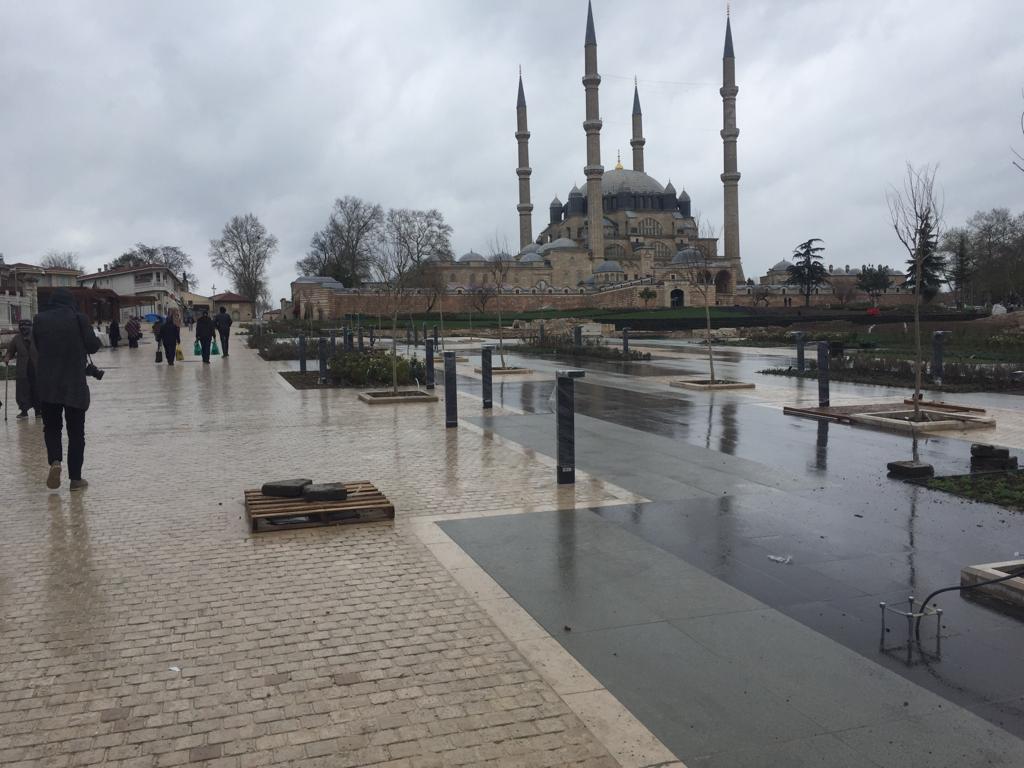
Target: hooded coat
<point>63,338</point>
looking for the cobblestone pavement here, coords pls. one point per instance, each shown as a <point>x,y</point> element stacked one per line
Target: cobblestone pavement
<point>142,625</point>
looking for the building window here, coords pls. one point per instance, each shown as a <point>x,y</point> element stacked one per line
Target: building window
<point>661,251</point>
<point>649,227</point>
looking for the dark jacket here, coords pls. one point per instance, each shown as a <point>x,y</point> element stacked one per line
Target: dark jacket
<point>114,331</point>
<point>204,328</point>
<point>24,351</point>
<point>170,333</point>
<point>222,322</point>
<point>63,337</point>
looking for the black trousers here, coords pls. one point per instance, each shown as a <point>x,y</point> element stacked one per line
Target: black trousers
<point>52,435</point>
<point>225,336</point>
<point>204,344</point>
<point>169,347</point>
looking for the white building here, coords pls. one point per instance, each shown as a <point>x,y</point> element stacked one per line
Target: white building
<point>160,288</point>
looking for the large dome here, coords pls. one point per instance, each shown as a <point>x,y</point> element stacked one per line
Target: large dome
<point>471,257</point>
<point>634,182</point>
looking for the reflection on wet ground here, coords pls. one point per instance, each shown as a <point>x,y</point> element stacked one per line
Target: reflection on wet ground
<point>734,481</point>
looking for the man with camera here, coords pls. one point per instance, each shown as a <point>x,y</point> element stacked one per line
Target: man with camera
<point>64,339</point>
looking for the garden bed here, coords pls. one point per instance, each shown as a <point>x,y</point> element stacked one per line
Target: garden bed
<point>886,372</point>
<point>1005,489</point>
<point>498,370</point>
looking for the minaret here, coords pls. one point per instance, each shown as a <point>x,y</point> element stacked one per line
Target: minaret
<point>730,176</point>
<point>592,125</point>
<point>525,207</point>
<point>638,139</point>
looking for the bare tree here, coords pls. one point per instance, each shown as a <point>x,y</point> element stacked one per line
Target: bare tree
<point>344,248</point>
<point>242,253</point>
<point>500,264</point>
<point>481,297</point>
<point>845,291</point>
<point>697,268</point>
<point>1018,154</point>
<point>393,269</point>
<point>170,256</point>
<point>61,260</point>
<point>916,214</point>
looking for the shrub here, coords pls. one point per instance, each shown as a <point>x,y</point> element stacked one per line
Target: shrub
<point>360,369</point>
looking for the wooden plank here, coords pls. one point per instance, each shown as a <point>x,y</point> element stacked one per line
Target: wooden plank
<point>364,504</point>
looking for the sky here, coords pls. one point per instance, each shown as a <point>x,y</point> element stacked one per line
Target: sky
<point>128,121</point>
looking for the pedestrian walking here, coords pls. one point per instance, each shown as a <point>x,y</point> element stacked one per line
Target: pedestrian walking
<point>223,324</point>
<point>204,334</point>
<point>133,329</point>
<point>22,349</point>
<point>170,335</point>
<point>114,333</point>
<point>63,339</point>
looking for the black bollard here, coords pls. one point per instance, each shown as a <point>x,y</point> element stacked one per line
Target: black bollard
<point>485,375</point>
<point>408,336</point>
<point>625,342</point>
<point>451,403</point>
<point>372,337</point>
<point>321,348</point>
<point>302,353</point>
<point>350,343</point>
<point>435,337</point>
<point>344,335</point>
<point>801,341</point>
<point>334,343</point>
<point>362,347</point>
<point>429,352</point>
<point>415,335</point>
<point>938,340</point>
<point>565,429</point>
<point>577,336</point>
<point>823,374</point>
<point>540,335</point>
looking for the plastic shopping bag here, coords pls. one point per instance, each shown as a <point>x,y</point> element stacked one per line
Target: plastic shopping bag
<point>214,349</point>
<point>197,348</point>
<point>179,355</point>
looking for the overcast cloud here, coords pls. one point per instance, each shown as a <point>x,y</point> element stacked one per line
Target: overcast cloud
<point>142,121</point>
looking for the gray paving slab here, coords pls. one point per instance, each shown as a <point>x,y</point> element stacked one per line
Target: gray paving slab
<point>721,678</point>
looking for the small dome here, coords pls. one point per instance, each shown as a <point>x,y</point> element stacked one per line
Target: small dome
<point>471,257</point>
<point>575,191</point>
<point>531,248</point>
<point>669,189</point>
<point>683,197</point>
<point>531,258</point>
<point>688,255</point>
<point>608,266</point>
<point>554,245</point>
<point>556,203</point>
<point>782,266</point>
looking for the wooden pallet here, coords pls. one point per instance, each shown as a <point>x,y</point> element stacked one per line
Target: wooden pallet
<point>364,504</point>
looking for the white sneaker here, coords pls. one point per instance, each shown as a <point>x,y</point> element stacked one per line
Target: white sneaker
<point>53,478</point>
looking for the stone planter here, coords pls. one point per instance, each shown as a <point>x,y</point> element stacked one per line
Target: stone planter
<point>704,384</point>
<point>387,397</point>
<point>509,370</point>
<point>938,421</point>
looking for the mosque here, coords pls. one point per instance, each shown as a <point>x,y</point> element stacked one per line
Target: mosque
<point>617,241</point>
<point>623,226</point>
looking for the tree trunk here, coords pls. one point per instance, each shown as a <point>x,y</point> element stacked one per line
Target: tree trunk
<point>917,337</point>
<point>501,340</point>
<point>711,352</point>
<point>394,352</point>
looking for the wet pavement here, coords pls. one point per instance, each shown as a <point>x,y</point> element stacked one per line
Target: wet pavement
<point>733,481</point>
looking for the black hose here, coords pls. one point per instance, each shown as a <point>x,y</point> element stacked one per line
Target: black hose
<point>960,587</point>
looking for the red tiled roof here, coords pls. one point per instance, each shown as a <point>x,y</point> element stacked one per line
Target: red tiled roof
<point>230,296</point>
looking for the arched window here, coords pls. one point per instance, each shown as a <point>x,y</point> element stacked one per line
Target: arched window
<point>649,227</point>
<point>614,252</point>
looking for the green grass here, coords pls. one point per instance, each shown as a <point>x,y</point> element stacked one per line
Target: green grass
<point>1003,488</point>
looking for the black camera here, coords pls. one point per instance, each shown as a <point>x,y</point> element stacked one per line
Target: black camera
<point>92,370</point>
